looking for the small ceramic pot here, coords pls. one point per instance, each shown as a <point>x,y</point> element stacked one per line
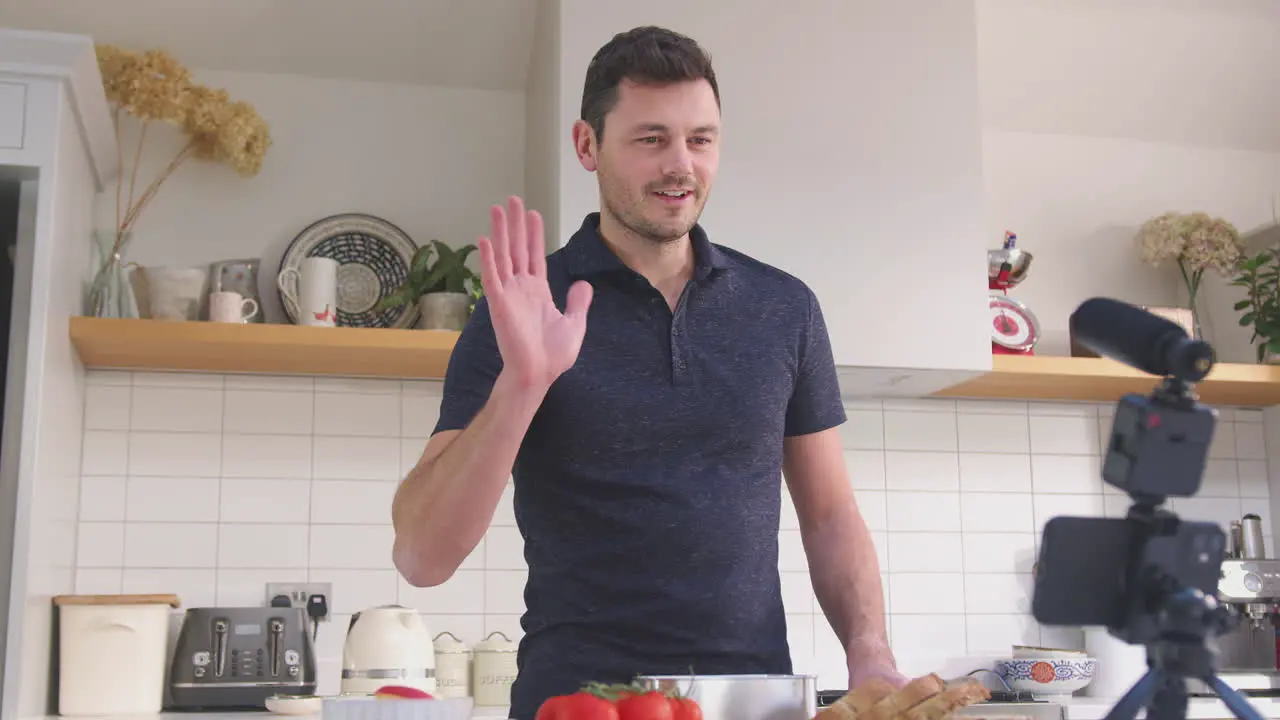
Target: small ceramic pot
<point>444,311</point>
<point>176,293</point>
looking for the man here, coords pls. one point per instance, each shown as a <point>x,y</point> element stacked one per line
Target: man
<point>647,389</point>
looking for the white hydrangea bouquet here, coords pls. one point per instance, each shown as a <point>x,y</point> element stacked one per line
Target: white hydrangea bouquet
<point>1196,242</point>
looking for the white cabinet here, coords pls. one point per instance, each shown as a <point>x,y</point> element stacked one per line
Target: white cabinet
<point>851,157</point>
<point>13,108</point>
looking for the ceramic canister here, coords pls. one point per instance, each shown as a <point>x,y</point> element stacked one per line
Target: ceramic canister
<point>495,670</point>
<point>453,666</point>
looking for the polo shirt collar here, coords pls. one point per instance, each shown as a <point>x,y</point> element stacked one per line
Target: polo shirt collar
<point>588,254</point>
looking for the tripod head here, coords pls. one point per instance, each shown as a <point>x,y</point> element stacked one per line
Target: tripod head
<point>1150,577</point>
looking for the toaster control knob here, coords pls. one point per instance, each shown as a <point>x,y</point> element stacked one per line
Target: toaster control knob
<point>200,658</point>
<point>293,671</point>
<point>199,672</point>
<point>290,657</point>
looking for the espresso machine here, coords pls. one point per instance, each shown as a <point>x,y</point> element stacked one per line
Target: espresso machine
<point>1250,583</point>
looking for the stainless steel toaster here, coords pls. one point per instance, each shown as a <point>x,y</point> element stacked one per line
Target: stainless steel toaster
<point>237,657</point>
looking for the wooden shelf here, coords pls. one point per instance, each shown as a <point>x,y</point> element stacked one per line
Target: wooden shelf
<point>1105,380</point>
<point>359,352</point>
<point>257,348</point>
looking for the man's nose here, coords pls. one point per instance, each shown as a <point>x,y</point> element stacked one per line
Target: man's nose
<point>678,160</point>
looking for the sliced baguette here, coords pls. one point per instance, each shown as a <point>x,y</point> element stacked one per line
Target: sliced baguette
<point>913,693</point>
<point>836,711</point>
<point>857,701</point>
<point>943,704</point>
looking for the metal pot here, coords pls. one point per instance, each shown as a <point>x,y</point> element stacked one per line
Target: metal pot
<point>744,697</point>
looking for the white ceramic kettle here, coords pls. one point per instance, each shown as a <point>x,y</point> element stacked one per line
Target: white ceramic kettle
<point>388,645</point>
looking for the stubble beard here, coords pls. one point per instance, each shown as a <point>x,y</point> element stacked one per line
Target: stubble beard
<point>628,212</point>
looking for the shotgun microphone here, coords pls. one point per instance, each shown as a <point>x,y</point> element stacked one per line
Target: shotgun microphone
<point>1140,340</point>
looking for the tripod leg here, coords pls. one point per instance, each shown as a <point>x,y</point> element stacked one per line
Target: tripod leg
<point>1170,699</point>
<point>1235,702</point>
<point>1127,707</point>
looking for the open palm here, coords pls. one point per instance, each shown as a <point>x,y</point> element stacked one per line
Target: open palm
<point>537,341</point>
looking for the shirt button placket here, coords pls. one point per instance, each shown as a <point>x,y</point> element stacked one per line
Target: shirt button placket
<point>679,366</point>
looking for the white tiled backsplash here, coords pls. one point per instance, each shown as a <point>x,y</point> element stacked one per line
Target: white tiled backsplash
<point>211,486</point>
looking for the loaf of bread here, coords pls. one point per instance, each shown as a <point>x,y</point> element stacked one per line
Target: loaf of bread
<point>857,701</point>
<point>924,698</point>
<point>951,699</point>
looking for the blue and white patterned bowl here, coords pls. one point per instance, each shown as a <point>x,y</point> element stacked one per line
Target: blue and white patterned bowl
<point>1047,676</point>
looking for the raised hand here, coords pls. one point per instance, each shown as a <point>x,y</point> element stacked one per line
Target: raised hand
<point>536,340</point>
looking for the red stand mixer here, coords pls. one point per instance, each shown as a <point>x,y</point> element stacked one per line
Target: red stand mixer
<point>1014,328</point>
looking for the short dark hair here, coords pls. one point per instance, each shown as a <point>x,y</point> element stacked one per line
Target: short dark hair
<point>647,55</point>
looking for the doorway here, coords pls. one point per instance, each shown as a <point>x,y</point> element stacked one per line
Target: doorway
<point>10,190</point>
<point>18,194</point>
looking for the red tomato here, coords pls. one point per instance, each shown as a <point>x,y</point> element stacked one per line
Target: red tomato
<point>683,708</point>
<point>651,705</point>
<point>578,706</point>
<point>549,708</point>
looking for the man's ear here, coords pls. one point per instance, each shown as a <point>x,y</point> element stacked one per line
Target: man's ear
<point>584,143</point>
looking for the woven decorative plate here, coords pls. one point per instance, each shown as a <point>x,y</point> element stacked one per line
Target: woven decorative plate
<point>373,260</point>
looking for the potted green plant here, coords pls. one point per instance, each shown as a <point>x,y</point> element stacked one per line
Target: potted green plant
<point>1260,277</point>
<point>442,285</point>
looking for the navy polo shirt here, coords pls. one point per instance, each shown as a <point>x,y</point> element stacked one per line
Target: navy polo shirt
<point>648,487</point>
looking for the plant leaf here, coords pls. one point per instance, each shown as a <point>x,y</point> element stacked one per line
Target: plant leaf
<point>443,250</point>
<point>396,299</point>
<point>439,272</point>
<point>421,260</point>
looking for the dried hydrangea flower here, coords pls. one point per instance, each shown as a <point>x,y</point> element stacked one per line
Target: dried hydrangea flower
<point>1195,241</point>
<point>154,86</point>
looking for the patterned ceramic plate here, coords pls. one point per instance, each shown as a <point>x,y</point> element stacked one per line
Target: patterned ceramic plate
<point>373,260</point>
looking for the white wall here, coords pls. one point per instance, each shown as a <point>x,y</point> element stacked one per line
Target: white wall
<point>542,171</point>
<point>1099,115</point>
<point>429,160</point>
<point>1077,148</point>
<point>211,486</point>
<point>842,156</point>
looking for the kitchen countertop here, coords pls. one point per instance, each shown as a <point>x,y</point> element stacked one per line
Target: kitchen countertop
<point>1090,708</point>
<point>1078,708</point>
<point>487,713</point>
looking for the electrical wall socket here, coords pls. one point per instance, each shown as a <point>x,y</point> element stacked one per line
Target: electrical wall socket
<point>299,592</point>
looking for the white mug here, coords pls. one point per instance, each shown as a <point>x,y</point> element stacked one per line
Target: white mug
<point>231,307</point>
<point>313,294</point>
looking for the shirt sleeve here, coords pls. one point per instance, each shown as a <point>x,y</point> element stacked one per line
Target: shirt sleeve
<point>815,401</point>
<point>473,368</point>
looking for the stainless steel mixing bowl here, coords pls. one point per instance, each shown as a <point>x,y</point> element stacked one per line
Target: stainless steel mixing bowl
<point>1019,261</point>
<point>744,697</point>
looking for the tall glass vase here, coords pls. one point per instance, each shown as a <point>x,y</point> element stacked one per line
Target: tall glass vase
<point>1190,299</point>
<point>1197,330</point>
<point>110,293</point>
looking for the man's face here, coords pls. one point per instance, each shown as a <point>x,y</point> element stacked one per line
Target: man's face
<point>659,157</point>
